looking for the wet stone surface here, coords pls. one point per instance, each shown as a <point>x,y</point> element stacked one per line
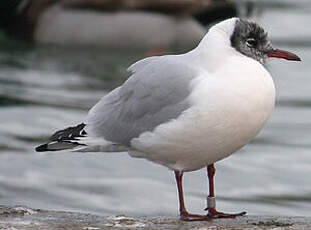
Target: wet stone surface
<point>21,217</point>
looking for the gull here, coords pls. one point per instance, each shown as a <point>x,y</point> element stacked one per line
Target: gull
<point>186,111</point>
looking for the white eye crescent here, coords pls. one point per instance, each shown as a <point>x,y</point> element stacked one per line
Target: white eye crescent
<point>250,42</point>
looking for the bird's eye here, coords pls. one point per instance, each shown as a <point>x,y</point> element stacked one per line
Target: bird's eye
<point>251,42</point>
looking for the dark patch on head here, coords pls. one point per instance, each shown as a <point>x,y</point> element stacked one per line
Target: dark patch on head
<point>251,40</point>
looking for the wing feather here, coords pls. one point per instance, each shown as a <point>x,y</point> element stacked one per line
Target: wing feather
<point>153,95</point>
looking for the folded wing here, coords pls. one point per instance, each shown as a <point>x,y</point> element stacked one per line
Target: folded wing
<point>156,93</point>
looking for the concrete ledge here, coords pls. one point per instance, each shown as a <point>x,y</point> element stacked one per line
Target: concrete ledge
<point>21,217</point>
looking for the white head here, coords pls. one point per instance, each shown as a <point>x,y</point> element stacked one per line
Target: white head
<point>247,38</point>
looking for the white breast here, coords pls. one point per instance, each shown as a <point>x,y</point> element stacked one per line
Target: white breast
<point>229,109</point>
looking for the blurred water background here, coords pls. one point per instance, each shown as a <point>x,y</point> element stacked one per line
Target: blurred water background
<point>44,88</point>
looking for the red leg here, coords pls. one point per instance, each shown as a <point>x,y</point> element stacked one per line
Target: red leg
<point>212,213</point>
<point>184,215</point>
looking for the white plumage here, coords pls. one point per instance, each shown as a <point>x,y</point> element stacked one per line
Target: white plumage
<point>186,111</point>
<point>231,96</point>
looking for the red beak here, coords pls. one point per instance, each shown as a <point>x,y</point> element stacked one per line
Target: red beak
<point>276,53</point>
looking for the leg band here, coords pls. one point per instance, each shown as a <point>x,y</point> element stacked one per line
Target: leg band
<point>211,202</point>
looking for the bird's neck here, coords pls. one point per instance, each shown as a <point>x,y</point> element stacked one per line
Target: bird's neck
<point>214,48</point>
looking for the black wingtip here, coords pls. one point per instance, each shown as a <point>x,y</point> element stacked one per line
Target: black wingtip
<point>64,139</point>
<point>42,148</point>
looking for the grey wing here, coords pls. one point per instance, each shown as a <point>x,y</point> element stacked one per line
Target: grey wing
<point>152,96</point>
<point>137,66</point>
